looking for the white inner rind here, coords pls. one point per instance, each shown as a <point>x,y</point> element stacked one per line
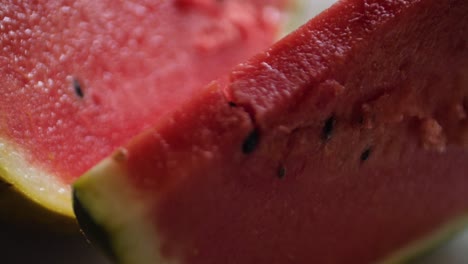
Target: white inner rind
<point>105,193</point>
<point>36,184</point>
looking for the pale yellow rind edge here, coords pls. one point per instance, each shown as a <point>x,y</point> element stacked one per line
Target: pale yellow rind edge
<point>38,185</point>
<point>125,216</point>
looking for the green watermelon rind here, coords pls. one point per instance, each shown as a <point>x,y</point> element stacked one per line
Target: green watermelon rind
<point>425,245</point>
<point>122,220</point>
<point>132,239</point>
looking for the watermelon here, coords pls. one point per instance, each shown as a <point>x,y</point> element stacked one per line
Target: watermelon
<point>345,142</point>
<point>80,78</point>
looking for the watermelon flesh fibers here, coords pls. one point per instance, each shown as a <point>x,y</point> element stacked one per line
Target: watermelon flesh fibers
<point>80,78</point>
<point>343,143</point>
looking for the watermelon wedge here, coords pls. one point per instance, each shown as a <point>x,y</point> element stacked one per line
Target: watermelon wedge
<point>345,142</point>
<point>80,78</point>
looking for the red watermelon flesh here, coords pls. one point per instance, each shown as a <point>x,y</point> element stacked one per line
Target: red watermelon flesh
<point>343,143</point>
<point>80,78</point>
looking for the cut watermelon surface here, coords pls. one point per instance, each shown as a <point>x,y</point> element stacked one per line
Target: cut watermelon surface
<point>345,142</point>
<point>80,78</point>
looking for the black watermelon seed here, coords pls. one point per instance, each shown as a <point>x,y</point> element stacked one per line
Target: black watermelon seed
<point>77,88</point>
<point>328,128</point>
<point>361,120</point>
<point>232,104</point>
<point>366,154</point>
<point>281,172</point>
<point>251,142</point>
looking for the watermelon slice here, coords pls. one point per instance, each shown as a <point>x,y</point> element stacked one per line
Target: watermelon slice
<point>80,78</point>
<point>343,143</point>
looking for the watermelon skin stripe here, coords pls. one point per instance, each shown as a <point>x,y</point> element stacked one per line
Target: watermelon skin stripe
<point>358,152</point>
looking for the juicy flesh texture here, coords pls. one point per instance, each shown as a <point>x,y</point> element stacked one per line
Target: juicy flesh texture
<point>361,148</point>
<point>79,78</point>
